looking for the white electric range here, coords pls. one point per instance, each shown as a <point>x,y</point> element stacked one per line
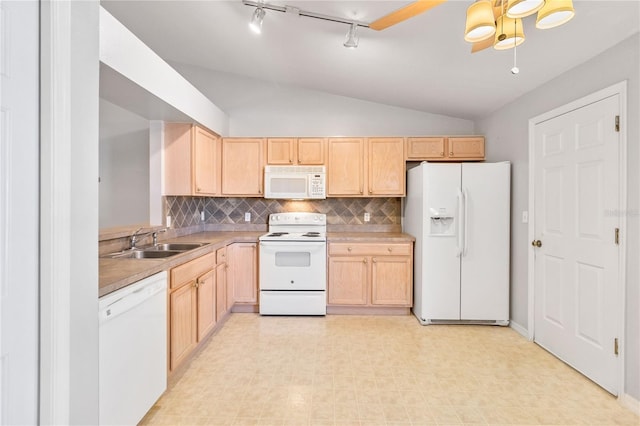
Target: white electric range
<point>293,265</point>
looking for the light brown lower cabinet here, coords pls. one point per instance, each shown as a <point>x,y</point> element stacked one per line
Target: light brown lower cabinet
<point>192,306</point>
<point>370,274</point>
<point>243,271</point>
<point>222,305</point>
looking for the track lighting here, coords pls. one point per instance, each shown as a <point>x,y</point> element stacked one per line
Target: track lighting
<point>256,20</point>
<point>351,39</point>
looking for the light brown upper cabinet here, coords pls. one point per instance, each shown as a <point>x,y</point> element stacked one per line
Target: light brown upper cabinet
<point>466,148</point>
<point>455,148</point>
<point>345,167</point>
<point>386,167</point>
<point>191,160</point>
<point>362,167</point>
<point>296,151</point>
<point>243,167</point>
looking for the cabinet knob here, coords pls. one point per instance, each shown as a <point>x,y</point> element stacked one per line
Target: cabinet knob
<point>536,243</point>
<point>348,248</point>
<point>198,189</point>
<point>451,154</point>
<point>364,260</point>
<point>389,249</point>
<point>442,154</point>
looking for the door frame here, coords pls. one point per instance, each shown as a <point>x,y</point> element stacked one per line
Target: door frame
<point>619,89</point>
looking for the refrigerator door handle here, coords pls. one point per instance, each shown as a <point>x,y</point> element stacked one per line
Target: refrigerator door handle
<point>465,198</point>
<point>460,223</point>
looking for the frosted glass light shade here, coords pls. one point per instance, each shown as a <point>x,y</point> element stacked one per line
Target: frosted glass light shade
<point>555,13</point>
<point>480,23</point>
<point>256,20</point>
<point>512,30</point>
<point>522,8</point>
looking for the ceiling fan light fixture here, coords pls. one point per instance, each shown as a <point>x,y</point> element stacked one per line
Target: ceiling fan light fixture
<point>256,20</point>
<point>351,39</point>
<point>555,13</point>
<point>523,8</point>
<point>509,33</point>
<point>480,23</point>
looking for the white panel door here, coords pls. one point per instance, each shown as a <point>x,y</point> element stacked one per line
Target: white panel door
<point>19,239</point>
<point>440,255</point>
<point>484,276</point>
<point>576,286</point>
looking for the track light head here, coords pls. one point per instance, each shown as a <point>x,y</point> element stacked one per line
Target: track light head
<point>256,20</point>
<point>351,39</point>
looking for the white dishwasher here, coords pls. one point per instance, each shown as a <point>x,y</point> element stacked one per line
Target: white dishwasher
<point>133,350</point>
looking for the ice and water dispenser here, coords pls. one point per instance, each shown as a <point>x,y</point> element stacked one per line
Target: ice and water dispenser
<point>442,222</point>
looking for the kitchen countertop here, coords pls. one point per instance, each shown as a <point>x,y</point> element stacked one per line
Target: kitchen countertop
<point>115,274</point>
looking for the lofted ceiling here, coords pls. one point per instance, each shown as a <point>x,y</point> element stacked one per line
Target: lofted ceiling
<point>422,63</point>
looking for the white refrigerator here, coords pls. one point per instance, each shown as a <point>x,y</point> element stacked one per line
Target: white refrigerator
<point>459,214</point>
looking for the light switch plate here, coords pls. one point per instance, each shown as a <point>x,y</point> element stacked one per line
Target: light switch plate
<point>525,217</point>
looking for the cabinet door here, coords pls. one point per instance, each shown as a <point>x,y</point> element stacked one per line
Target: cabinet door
<point>177,154</point>
<point>183,320</point>
<point>386,166</point>
<point>426,148</point>
<point>244,266</point>
<point>221,291</point>
<point>281,151</point>
<point>242,167</point>
<point>311,151</point>
<point>466,148</point>
<point>345,174</point>
<point>348,280</point>
<point>206,163</point>
<point>391,282</point>
<point>206,285</point>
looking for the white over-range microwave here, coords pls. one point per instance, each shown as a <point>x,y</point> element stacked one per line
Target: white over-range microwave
<point>295,182</point>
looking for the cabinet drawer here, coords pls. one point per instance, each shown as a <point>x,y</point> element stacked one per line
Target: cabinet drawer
<point>182,274</point>
<point>360,249</point>
<point>221,255</point>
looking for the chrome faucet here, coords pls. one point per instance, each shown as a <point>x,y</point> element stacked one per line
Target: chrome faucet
<point>134,237</point>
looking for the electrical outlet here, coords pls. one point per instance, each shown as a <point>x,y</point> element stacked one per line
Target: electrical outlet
<point>168,223</point>
<point>247,217</point>
<point>367,217</point>
<point>202,215</point>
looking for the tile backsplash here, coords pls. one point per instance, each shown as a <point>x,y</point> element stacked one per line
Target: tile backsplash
<point>185,211</point>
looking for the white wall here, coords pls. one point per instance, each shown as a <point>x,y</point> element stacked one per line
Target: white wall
<point>19,218</point>
<point>123,167</point>
<point>125,53</point>
<point>260,108</point>
<point>69,212</point>
<point>506,131</point>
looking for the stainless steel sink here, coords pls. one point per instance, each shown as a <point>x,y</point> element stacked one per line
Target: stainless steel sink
<point>175,246</point>
<point>145,254</point>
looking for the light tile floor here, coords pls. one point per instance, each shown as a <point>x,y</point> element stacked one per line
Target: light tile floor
<point>378,370</point>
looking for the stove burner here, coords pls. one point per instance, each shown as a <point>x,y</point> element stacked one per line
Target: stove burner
<point>277,234</point>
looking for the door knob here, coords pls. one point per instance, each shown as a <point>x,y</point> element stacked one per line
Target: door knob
<point>536,243</point>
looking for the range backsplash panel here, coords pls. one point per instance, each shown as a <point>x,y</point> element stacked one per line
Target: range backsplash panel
<point>185,211</point>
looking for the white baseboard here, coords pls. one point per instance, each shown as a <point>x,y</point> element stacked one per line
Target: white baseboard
<point>519,329</point>
<point>630,402</point>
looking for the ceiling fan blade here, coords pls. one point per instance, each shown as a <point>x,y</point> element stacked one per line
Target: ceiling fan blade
<point>481,45</point>
<point>409,11</point>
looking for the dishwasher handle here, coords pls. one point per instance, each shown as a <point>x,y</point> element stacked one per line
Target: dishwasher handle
<point>131,300</point>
